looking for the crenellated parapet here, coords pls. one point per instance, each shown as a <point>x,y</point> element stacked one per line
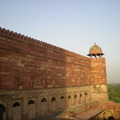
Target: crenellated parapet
<point>23,38</point>
<point>34,42</point>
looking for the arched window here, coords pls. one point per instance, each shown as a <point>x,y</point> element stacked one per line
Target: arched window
<point>2,108</point>
<point>81,95</point>
<point>62,97</point>
<point>53,99</point>
<point>44,100</point>
<point>16,104</point>
<point>69,97</point>
<point>75,96</point>
<point>31,102</point>
<point>111,118</point>
<point>86,93</point>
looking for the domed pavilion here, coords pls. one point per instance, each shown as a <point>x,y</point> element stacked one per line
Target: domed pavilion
<point>95,51</point>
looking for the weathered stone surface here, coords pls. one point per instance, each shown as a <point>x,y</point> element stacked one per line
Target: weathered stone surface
<point>39,77</point>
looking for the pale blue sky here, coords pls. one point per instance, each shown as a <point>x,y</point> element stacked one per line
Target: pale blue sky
<point>71,24</point>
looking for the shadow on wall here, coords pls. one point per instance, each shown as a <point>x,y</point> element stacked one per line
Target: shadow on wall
<point>2,112</point>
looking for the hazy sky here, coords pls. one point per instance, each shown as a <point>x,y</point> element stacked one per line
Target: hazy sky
<point>70,24</point>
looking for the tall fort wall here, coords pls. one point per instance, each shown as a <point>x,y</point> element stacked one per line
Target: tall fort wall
<point>27,63</point>
<point>37,78</point>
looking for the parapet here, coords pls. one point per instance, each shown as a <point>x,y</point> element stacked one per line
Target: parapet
<point>22,38</point>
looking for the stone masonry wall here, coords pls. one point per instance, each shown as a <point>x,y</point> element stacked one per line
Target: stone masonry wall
<point>37,78</point>
<point>26,63</point>
<point>28,104</point>
<point>98,71</point>
<point>98,79</point>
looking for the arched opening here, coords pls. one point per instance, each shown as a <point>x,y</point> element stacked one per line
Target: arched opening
<point>75,100</point>
<point>62,102</point>
<point>75,96</point>
<point>31,109</point>
<point>62,97</point>
<point>44,100</point>
<point>53,104</point>
<point>86,96</point>
<point>2,110</point>
<point>69,102</point>
<point>69,97</point>
<point>43,109</point>
<point>16,111</point>
<point>16,104</point>
<point>53,99</point>
<point>108,115</point>
<point>31,102</point>
<point>111,118</point>
<point>80,101</point>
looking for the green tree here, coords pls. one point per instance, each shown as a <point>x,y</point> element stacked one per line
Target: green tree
<point>114,92</point>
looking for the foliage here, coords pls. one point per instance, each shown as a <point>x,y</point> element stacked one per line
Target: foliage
<point>114,92</point>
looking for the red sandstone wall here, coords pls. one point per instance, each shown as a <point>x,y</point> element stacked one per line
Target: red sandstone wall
<point>98,71</point>
<point>27,63</point>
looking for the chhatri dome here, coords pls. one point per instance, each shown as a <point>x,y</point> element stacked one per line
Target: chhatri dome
<point>95,50</point>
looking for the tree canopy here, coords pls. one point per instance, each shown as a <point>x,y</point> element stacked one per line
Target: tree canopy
<point>114,92</point>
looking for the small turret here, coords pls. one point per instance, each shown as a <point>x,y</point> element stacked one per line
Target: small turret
<point>98,74</point>
<point>95,51</point>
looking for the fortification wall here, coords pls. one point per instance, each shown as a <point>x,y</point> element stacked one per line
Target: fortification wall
<point>28,104</point>
<point>27,63</point>
<point>37,78</point>
<point>98,79</point>
<point>98,71</point>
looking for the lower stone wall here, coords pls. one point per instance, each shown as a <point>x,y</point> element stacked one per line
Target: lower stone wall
<point>28,104</point>
<point>99,92</point>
